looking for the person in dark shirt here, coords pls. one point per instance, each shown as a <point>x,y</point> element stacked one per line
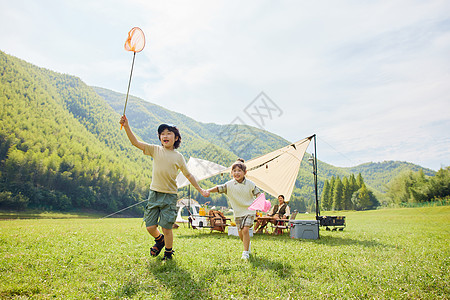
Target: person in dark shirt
<point>278,211</point>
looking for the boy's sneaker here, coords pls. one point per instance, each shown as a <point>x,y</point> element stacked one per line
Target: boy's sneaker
<point>245,255</point>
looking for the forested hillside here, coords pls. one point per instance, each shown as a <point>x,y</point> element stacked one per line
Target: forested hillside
<point>378,175</point>
<point>61,146</point>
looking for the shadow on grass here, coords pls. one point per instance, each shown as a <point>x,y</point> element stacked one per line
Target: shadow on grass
<point>334,240</point>
<point>344,241</point>
<point>282,269</point>
<point>203,234</point>
<point>178,281</point>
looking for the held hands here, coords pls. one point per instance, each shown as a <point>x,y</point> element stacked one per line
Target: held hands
<point>205,193</point>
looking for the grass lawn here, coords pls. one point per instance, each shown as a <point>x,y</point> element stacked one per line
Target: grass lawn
<point>382,254</point>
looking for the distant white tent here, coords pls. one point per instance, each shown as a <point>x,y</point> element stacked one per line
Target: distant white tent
<point>189,203</point>
<point>201,169</point>
<point>277,171</point>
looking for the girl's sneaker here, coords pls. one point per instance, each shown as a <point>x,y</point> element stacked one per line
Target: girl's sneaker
<point>245,255</point>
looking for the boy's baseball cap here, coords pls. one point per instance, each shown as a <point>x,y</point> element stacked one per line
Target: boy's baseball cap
<point>166,126</point>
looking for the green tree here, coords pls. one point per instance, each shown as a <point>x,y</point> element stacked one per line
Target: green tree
<point>359,181</point>
<point>361,199</point>
<point>338,194</point>
<point>326,196</point>
<point>347,194</point>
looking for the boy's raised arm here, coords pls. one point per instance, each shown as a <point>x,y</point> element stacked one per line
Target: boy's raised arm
<point>134,141</point>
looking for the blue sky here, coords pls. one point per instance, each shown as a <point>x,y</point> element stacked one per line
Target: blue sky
<point>370,78</point>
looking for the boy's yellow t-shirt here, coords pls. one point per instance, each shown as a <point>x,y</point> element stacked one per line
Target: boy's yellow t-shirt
<point>166,164</point>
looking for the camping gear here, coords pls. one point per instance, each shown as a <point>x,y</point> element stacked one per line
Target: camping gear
<point>304,229</point>
<point>135,43</point>
<point>337,222</point>
<point>283,224</point>
<point>217,220</point>
<point>233,230</point>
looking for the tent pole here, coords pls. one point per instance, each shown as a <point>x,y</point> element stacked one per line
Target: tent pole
<point>189,203</point>
<point>315,178</point>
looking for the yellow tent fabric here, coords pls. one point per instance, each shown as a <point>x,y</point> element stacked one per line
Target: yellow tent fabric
<point>277,171</point>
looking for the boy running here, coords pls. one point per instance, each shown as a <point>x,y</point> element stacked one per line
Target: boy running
<point>161,207</point>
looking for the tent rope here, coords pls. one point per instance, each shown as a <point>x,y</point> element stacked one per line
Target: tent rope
<point>123,209</point>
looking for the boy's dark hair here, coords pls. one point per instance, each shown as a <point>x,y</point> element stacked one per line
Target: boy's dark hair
<point>239,164</point>
<point>172,128</point>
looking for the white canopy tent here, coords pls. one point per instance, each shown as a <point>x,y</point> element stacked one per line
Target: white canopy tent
<point>201,169</point>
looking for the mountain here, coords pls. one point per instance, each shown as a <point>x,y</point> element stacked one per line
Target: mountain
<point>222,142</point>
<point>61,146</point>
<point>378,175</point>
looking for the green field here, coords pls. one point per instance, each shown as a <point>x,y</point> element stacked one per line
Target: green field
<point>383,254</point>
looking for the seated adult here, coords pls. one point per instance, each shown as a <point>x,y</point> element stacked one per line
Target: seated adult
<point>278,211</point>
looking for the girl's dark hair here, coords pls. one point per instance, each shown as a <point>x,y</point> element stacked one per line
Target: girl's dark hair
<point>282,196</point>
<point>239,164</point>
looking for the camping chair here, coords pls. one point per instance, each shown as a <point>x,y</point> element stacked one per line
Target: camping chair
<point>282,224</point>
<point>217,220</point>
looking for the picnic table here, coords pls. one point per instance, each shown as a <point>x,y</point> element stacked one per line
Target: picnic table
<point>278,225</point>
<point>265,220</point>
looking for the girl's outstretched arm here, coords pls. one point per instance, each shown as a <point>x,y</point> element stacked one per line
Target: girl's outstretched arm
<point>213,190</point>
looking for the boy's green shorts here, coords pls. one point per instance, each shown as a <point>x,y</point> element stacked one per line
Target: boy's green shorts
<point>161,209</point>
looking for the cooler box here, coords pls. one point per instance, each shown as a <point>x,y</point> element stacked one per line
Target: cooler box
<point>304,229</point>
<point>232,230</point>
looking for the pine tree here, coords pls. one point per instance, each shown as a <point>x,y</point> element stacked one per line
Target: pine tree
<point>347,194</point>
<point>353,187</point>
<point>338,193</point>
<point>359,181</point>
<point>326,196</point>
